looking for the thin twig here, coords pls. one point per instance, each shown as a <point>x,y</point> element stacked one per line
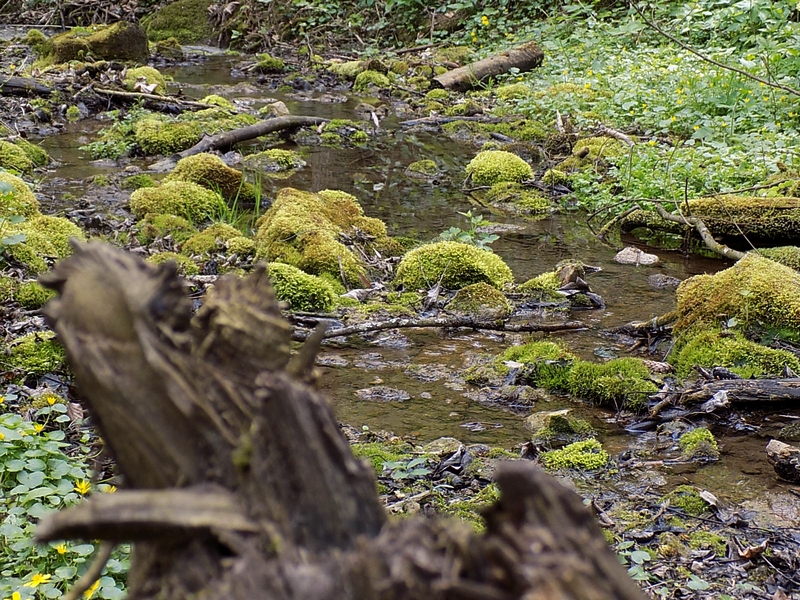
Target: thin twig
<point>93,573</point>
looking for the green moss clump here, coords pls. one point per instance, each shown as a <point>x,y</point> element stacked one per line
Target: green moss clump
<point>186,265</point>
<point>211,239</point>
<point>73,113</point>
<point>599,148</point>
<point>513,91</point>
<point>699,444</point>
<point>169,48</point>
<point>438,94</point>
<point>555,177</point>
<point>785,255</point>
<point>480,300</point>
<point>149,74</point>
<point>45,238</point>
<point>215,100</point>
<point>586,455</point>
<point>547,364</point>
<point>622,382</point>
<point>732,350</point>
<point>35,39</point>
<point>241,246</point>
<point>155,226</point>
<point>275,160</point>
<point>32,295</point>
<point>157,136</point>
<point>300,290</point>
<point>379,453</point>
<point>345,129</point>
<point>37,155</point>
<point>454,264</point>
<point>33,354</point>
<point>367,79</point>
<point>20,201</point>
<point>425,169</point>
<point>181,198</point>
<point>455,54</point>
<point>705,540</point>
<point>14,158</point>
<point>559,429</point>
<point>348,70</point>
<point>134,182</point>
<point>687,499</point>
<point>269,64</point>
<point>543,287</point>
<point>470,510</point>
<point>185,20</point>
<point>766,221</point>
<point>518,198</point>
<point>493,166</point>
<point>209,171</point>
<point>119,41</point>
<point>8,286</point>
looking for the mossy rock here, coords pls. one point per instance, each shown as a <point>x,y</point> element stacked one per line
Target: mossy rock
<point>31,295</point>
<point>547,365</point>
<point>134,182</point>
<point>516,198</point>
<point>169,48</point>
<point>460,55</point>
<point>8,286</point>
<point>186,266</point>
<point>767,221</point>
<point>185,20</point>
<point>557,428</point>
<point>688,499</point>
<point>453,264</point>
<point>586,455</point>
<point>493,166</point>
<point>423,169</point>
<point>46,238</point>
<point>348,70</point>
<point>241,246</point>
<point>274,160</point>
<point>155,136</point>
<point>35,39</point>
<point>216,100</point>
<point>119,41</point>
<point>14,158</point>
<point>730,349</point>
<point>785,255</point>
<point>300,290</point>
<point>155,226</point>
<point>212,173</point>
<point>619,383</point>
<point>33,354</point>
<point>37,155</point>
<point>543,287</point>
<point>267,63</point>
<point>181,198</point>
<point>596,148</point>
<point>756,292</point>
<point>699,445</point>
<point>149,74</point>
<point>210,240</point>
<point>481,301</point>
<point>367,80</point>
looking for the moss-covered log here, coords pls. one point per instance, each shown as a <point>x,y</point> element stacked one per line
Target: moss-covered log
<point>525,58</point>
<point>239,482</point>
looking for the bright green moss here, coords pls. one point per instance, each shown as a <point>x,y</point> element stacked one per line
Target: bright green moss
<point>455,54</point>
<point>35,39</point>
<point>399,67</point>
<point>300,290</point>
<point>561,429</point>
<point>73,113</point>
<point>518,198</point>
<point>122,40</point>
<point>523,130</point>
<point>480,300</point>
<point>168,48</point>
<point>785,255</point>
<point>181,198</point>
<point>20,201</point>
<point>348,70</point>
<point>368,79</point>
<point>186,265</point>
<point>150,75</point>
<point>555,177</point>
<point>425,167</point>
<point>378,453</point>
<point>763,220</point>
<point>699,444</point>
<point>32,295</point>
<point>157,136</point>
<point>454,264</point>
<point>185,20</point>
<point>493,166</point>
<point>586,455</point>
<point>706,540</point>
<point>241,246</point>
<point>215,100</point>
<point>275,160</point>
<point>14,158</point>
<point>622,382</point>
<point>33,354</point>
<point>155,226</point>
<point>211,239</point>
<point>8,286</point>
<point>45,237</point>
<point>730,349</point>
<point>269,64</point>
<point>687,499</point>
<point>37,155</point>
<point>513,91</point>
<point>599,147</point>
<point>212,173</point>
<point>470,510</point>
<point>346,129</point>
<point>134,182</point>
<point>547,364</point>
<point>438,94</point>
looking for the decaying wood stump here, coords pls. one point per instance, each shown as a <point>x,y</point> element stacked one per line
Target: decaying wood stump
<point>525,58</point>
<point>785,459</point>
<point>238,481</point>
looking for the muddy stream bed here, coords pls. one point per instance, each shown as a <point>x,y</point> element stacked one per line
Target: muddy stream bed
<point>424,366</point>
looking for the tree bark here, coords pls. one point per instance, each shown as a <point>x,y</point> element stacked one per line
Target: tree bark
<point>525,58</point>
<point>785,459</point>
<point>23,86</point>
<point>746,390</point>
<point>239,482</point>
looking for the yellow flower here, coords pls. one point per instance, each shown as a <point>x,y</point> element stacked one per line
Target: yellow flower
<point>679,101</point>
<point>61,548</point>
<point>2,399</point>
<point>2,436</point>
<point>587,85</point>
<point>644,104</point>
<point>110,489</point>
<point>92,589</point>
<point>37,580</point>
<point>83,487</point>
<point>724,124</point>
<point>590,73</point>
<point>778,124</point>
<point>484,20</point>
<point>651,143</point>
<point>674,118</point>
<point>696,127</point>
<point>38,427</point>
<point>51,400</point>
<point>746,100</point>
<point>765,98</point>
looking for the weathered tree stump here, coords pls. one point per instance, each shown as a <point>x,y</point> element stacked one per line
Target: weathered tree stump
<point>525,58</point>
<point>238,481</point>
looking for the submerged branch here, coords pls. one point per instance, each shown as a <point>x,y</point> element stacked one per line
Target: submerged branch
<point>703,232</point>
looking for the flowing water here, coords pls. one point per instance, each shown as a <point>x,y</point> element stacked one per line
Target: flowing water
<point>421,362</point>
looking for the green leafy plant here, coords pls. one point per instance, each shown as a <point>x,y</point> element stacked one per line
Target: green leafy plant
<point>472,235</point>
<point>6,191</point>
<point>415,468</point>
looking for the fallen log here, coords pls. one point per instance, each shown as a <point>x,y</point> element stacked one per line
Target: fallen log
<point>227,139</point>
<point>745,390</point>
<point>23,86</point>
<point>247,470</point>
<point>525,58</point>
<point>465,322</point>
<point>154,97</point>
<point>785,459</point>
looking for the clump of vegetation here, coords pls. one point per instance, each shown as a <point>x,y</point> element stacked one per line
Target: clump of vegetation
<point>367,80</point>
<point>300,290</point>
<point>216,100</point>
<point>182,198</point>
<point>186,266</point>
<point>156,135</point>
<point>275,160</point>
<point>37,155</point>
<point>211,239</point>
<point>149,75</point>
<point>32,295</point>
<point>785,255</point>
<point>586,455</point>
<point>493,166</point>
<point>453,264</point>
<point>269,64</point>
<point>546,364</point>
<point>687,499</point>
<point>512,196</point>
<point>33,354</point>
<point>212,173</point>
<point>699,444</point>
<point>134,182</point>
<point>623,382</point>
<point>474,235</point>
<point>154,226</point>
<point>14,158</point>
<point>185,20</point>
<point>480,300</point>
<point>558,428</point>
<point>470,510</point>
<point>425,168</point>
<point>45,238</point>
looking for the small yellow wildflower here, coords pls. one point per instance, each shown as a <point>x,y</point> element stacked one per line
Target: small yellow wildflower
<point>644,104</point>
<point>651,143</point>
<point>711,84</point>
<point>2,399</point>
<point>485,21</point>
<point>679,101</point>
<point>778,124</point>
<point>590,73</point>
<point>791,114</point>
<point>633,112</point>
<point>83,487</point>
<point>674,118</point>
<point>765,98</point>
<point>51,400</point>
<point>61,548</point>
<point>587,85</point>
<point>37,580</point>
<point>38,427</point>
<point>12,68</point>
<point>109,489</point>
<point>696,127</point>
<point>520,78</point>
<point>2,435</point>
<point>746,100</point>
<point>724,124</point>
<point>92,589</point>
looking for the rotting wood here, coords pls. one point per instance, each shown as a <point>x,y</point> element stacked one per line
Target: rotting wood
<point>745,390</point>
<point>703,232</point>
<point>525,58</point>
<point>23,86</point>
<point>203,406</point>
<point>155,97</point>
<point>785,459</point>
